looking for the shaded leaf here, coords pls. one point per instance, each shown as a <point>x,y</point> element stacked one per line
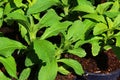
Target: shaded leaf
<point>118,41</point>
<point>7,46</point>
<point>10,65</point>
<point>25,74</point>
<point>48,71</point>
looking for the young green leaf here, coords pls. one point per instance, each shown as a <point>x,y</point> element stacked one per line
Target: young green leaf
<point>1,16</point>
<point>118,41</point>
<point>115,7</point>
<point>78,52</point>
<point>110,22</point>
<point>101,8</point>
<point>100,28</point>
<point>7,8</point>
<point>84,8</point>
<point>73,64</point>
<point>7,46</point>
<point>96,17</point>
<point>3,77</point>
<point>25,74</point>
<point>10,65</point>
<point>41,5</point>
<point>74,31</point>
<point>44,49</point>
<point>31,58</point>
<point>55,29</point>
<point>95,45</point>
<point>62,70</point>
<point>65,2</point>
<point>48,71</point>
<point>116,21</point>
<point>19,16</point>
<point>48,20</point>
<point>18,3</point>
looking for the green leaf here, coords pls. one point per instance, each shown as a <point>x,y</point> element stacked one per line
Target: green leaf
<point>74,31</point>
<point>25,74</point>
<point>110,22</point>
<point>18,3</point>
<point>100,28</point>
<point>65,2</point>
<point>115,7</point>
<point>3,77</point>
<point>48,20</point>
<point>10,65</point>
<point>55,29</point>
<point>7,46</point>
<point>1,12</point>
<point>94,16</point>
<point>73,64</point>
<point>116,21</point>
<point>84,8</point>
<point>1,16</point>
<point>78,30</point>
<point>48,71</point>
<point>101,8</point>
<point>41,5</point>
<point>95,45</point>
<point>118,41</point>
<point>19,16</point>
<point>31,58</point>
<point>44,49</point>
<point>7,8</point>
<point>62,70</point>
<point>85,2</point>
<point>111,14</point>
<point>78,51</point>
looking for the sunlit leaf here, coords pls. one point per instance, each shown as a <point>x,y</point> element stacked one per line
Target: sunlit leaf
<point>78,51</point>
<point>101,8</point>
<point>3,77</point>
<point>44,49</point>
<point>99,28</point>
<point>74,65</point>
<point>41,5</point>
<point>55,29</point>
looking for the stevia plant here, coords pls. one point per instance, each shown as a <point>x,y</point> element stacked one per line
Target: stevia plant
<point>106,17</point>
<point>31,17</point>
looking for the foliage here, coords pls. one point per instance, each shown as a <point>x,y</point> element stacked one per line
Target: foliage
<point>69,20</point>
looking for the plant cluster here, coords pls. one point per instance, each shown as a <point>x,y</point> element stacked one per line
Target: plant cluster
<point>74,22</point>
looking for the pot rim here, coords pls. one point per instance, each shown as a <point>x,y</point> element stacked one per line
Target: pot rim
<point>103,74</point>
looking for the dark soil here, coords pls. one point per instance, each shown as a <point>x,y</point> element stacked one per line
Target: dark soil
<point>105,62</point>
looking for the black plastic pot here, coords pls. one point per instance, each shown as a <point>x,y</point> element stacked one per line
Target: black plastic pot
<point>96,76</point>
